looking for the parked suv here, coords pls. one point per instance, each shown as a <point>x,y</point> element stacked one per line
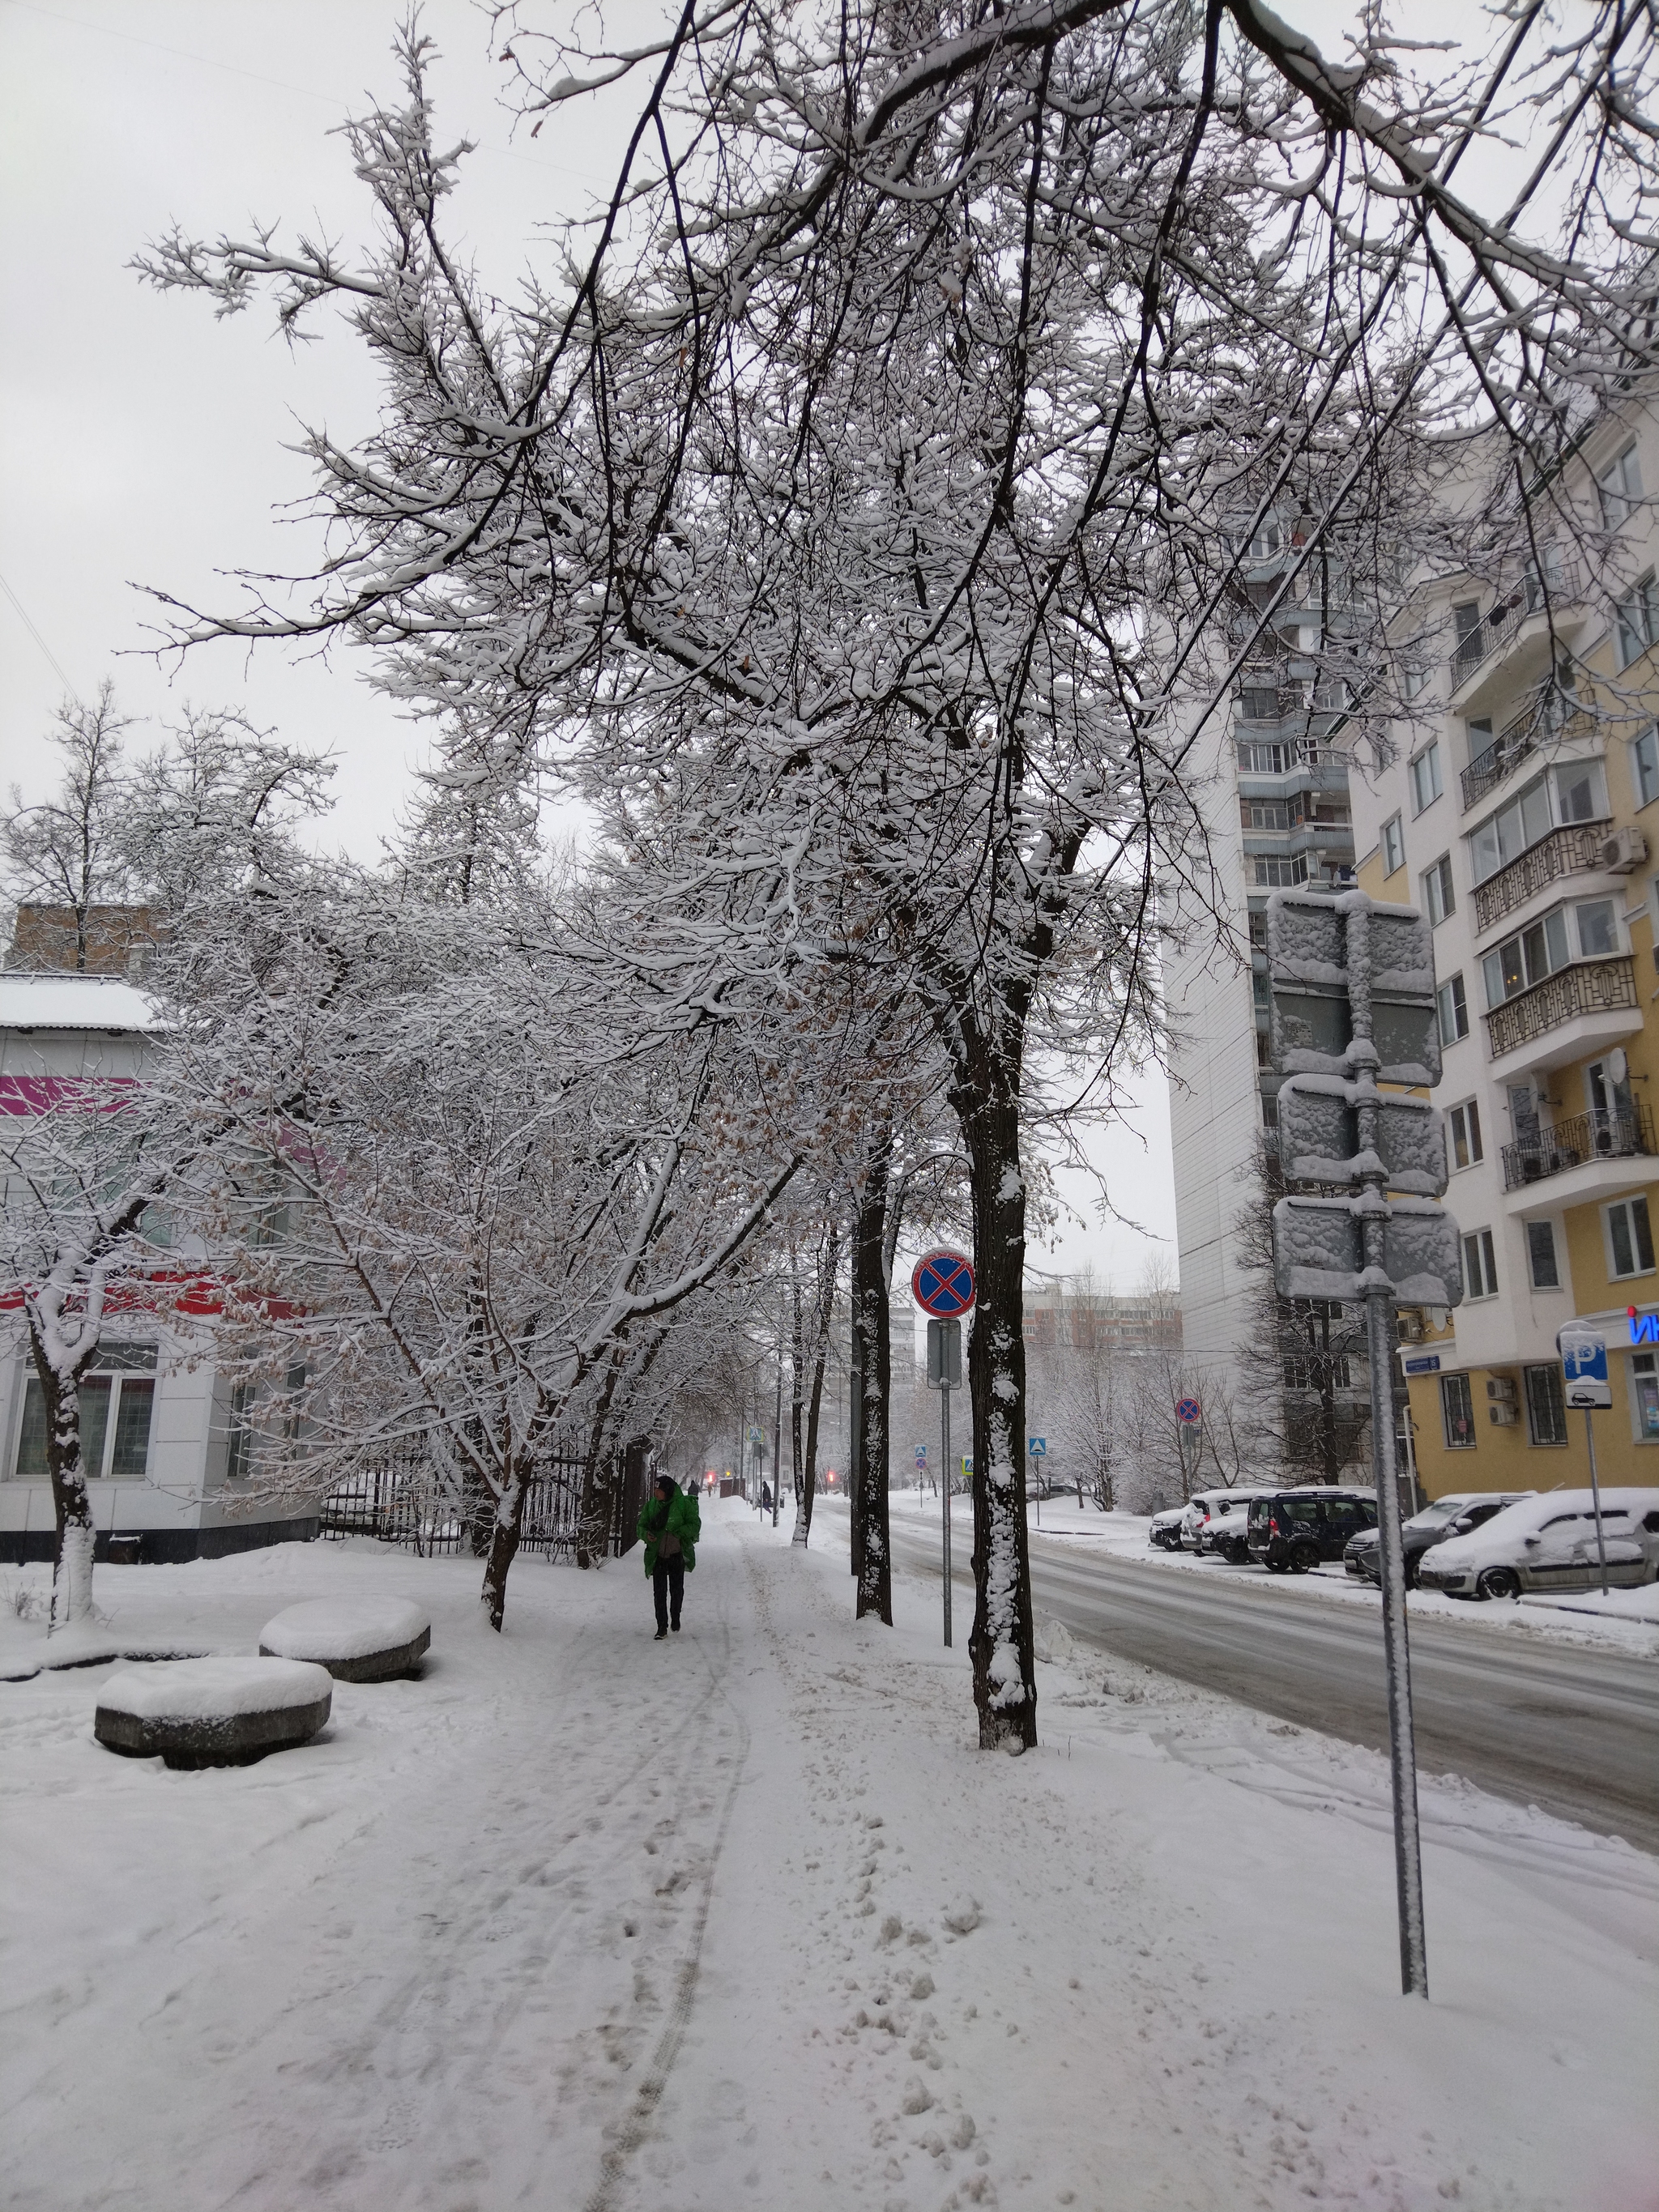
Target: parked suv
<point>1548,1543</point>
<point>1455,1515</point>
<point>1291,1531</point>
<point>1164,1531</point>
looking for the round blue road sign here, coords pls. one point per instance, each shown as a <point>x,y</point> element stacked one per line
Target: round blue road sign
<point>942,1285</point>
<point>1188,1410</point>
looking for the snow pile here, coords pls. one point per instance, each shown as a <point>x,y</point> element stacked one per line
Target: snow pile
<point>748,1920</point>
<point>325,1629</point>
<point>213,1689</point>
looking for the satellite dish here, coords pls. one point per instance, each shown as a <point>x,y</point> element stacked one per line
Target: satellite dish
<point>1618,1064</point>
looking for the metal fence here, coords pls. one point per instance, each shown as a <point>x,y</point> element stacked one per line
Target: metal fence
<point>402,1503</point>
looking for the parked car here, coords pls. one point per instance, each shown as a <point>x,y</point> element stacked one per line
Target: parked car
<point>1165,1531</point>
<point>1455,1515</point>
<point>1289,1531</point>
<point>1548,1542</point>
<point>1221,1528</point>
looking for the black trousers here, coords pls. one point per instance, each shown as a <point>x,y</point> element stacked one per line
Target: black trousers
<point>668,1587</point>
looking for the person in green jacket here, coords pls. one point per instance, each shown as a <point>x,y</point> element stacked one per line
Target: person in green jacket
<point>670,1525</point>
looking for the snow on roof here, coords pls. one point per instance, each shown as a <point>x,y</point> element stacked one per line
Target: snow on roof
<point>57,1001</point>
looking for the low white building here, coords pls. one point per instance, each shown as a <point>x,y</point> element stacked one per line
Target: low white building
<point>167,1451</point>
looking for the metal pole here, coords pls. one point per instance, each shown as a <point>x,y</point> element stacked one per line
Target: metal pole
<point>777,1440</point>
<point>1595,1496</point>
<point>853,1451</point>
<point>1411,1452</point>
<point>945,1453</point>
<point>1380,1333</point>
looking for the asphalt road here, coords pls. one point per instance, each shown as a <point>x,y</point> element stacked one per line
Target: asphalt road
<point>1574,1731</point>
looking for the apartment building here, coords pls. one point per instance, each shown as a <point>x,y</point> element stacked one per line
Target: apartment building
<point>1274,793</point>
<point>1059,1316</point>
<point>1520,814</point>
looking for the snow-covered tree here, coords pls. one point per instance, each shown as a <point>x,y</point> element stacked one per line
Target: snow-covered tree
<point>872,487</point>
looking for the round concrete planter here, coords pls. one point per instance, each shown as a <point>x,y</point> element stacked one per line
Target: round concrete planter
<point>212,1712</point>
<point>368,1640</point>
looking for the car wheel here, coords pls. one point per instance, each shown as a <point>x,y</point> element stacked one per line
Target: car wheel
<point>1498,1581</point>
<point>1277,1566</point>
<point>1304,1557</point>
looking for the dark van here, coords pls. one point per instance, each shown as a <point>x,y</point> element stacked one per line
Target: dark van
<point>1295,1529</point>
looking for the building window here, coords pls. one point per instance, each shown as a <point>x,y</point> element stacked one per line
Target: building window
<point>1334,1372</point>
<point>1598,932</point>
<point>1394,846</point>
<point>118,1399</point>
<point>1266,814</point>
<point>1541,1262</point>
<point>1630,1238</point>
<point>1636,621</point>
<point>1620,488</point>
<point>1644,1396</point>
<point>1281,875</point>
<point>1270,1111</point>
<point>1644,766</point>
<point>1269,541</point>
<point>1463,1124</point>
<point>1521,961</point>
<point>238,1451</point>
<point>1479,1265</point>
<point>1456,1412</point>
<point>1547,1409</point>
<point>1437,899</point>
<point>1257,703</point>
<point>1426,778</point>
<point>1453,1003</point>
<point>1580,793</point>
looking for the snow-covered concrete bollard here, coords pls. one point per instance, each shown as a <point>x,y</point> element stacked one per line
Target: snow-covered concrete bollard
<point>212,1712</point>
<point>360,1639</point>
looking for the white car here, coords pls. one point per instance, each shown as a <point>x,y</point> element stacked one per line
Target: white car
<point>1216,1522</point>
<point>1548,1543</point>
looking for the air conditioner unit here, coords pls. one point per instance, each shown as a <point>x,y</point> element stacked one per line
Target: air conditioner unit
<point>1501,1389</point>
<point>1624,850</point>
<point>1503,1417</point>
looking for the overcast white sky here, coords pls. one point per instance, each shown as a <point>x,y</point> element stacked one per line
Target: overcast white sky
<point>140,441</point>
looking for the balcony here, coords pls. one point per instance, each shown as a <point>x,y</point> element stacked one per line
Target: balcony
<point>1543,719</point>
<point>1533,594</point>
<point>1517,639</point>
<point>1285,756</point>
<point>1575,1143</point>
<point>1597,997</point>
<point>1571,852</point>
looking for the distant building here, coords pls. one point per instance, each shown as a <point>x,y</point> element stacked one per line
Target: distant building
<point>94,940</point>
<point>1099,1322</point>
<point>168,1446</point>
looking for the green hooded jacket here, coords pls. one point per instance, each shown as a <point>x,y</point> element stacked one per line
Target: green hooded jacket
<point>678,1517</point>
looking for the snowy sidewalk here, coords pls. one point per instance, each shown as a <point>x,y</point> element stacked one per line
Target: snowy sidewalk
<point>583,1920</point>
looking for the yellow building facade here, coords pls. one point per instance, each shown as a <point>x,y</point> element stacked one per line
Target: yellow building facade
<point>1520,810</point>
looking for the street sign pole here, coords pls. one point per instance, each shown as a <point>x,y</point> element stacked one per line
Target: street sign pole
<point>942,1284</point>
<point>1352,1000</point>
<point>1595,1499</point>
<point>1584,1353</point>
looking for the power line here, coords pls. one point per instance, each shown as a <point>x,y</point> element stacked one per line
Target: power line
<point>23,617</point>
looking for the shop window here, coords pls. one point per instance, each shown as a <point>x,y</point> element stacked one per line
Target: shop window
<point>1457,1413</point>
<point>1644,1396</point>
<point>118,1399</point>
